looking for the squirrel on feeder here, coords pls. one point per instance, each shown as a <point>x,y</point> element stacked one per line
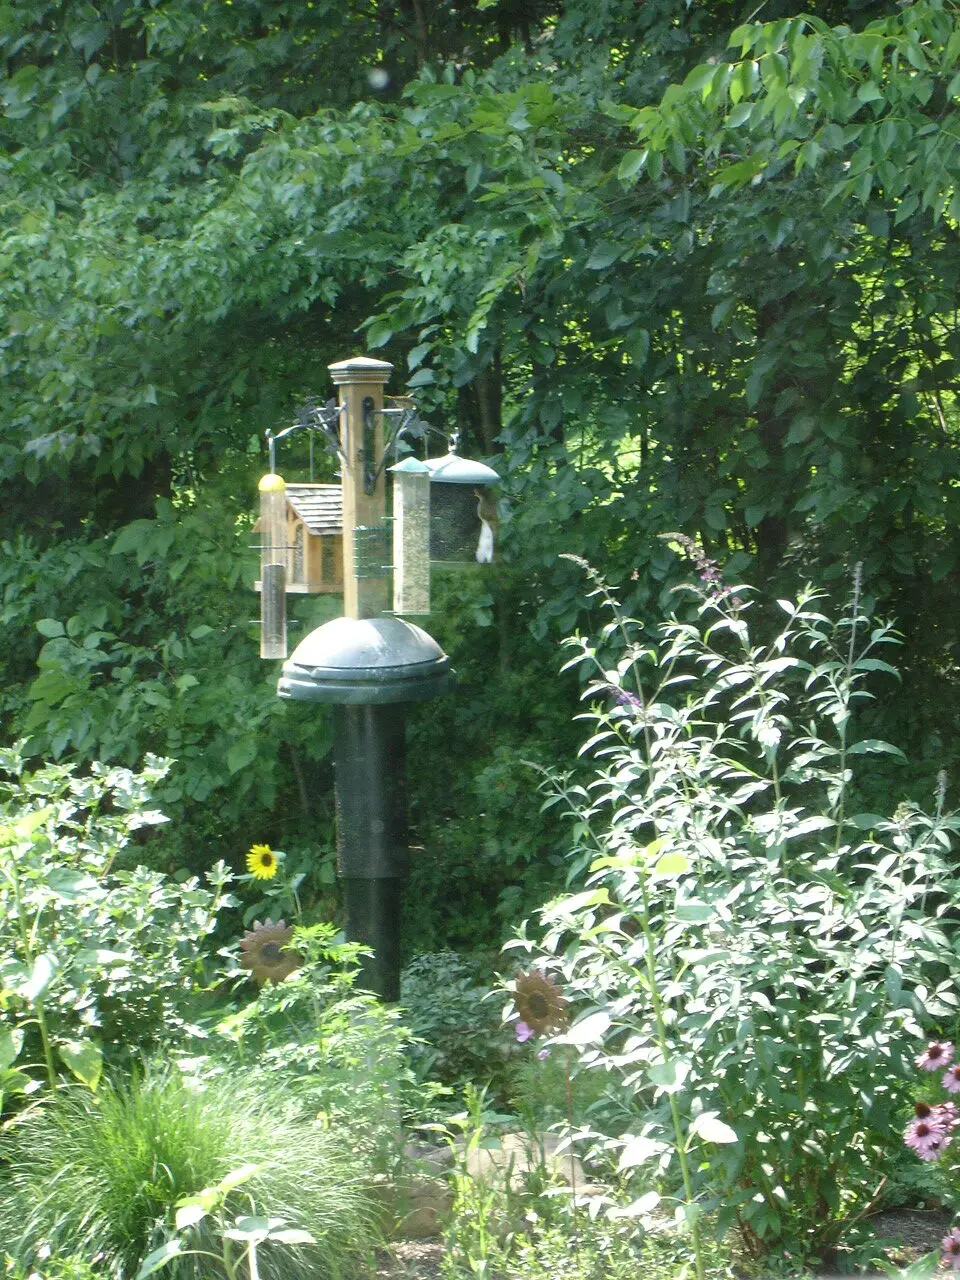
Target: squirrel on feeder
<point>487,512</point>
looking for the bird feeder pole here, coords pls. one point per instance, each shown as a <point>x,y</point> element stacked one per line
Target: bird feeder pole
<point>369,664</point>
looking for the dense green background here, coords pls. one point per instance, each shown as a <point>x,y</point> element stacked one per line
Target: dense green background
<point>664,280</point>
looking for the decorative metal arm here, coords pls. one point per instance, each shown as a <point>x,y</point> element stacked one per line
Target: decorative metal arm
<point>312,417</point>
<point>325,419</point>
<point>407,424</point>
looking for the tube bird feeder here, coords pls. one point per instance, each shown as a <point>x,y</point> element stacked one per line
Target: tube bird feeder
<point>411,536</point>
<point>273,567</point>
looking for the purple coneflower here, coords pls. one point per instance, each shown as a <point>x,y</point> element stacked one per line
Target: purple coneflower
<point>945,1115</point>
<point>951,1248</point>
<point>524,1033</point>
<point>925,1137</point>
<point>951,1078</point>
<point>935,1056</point>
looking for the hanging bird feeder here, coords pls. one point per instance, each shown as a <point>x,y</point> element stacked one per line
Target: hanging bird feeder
<point>463,510</point>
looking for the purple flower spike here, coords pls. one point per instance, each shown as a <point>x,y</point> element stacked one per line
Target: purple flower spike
<point>524,1033</point>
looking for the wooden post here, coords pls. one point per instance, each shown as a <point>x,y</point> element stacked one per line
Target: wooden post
<point>359,380</point>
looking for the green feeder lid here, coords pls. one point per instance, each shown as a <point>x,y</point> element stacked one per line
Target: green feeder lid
<point>411,467</point>
<point>456,470</point>
<point>366,661</point>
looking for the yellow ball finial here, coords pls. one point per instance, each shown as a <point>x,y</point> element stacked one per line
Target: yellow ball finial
<point>272,483</point>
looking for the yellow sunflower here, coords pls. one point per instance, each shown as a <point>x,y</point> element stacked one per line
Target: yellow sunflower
<point>262,862</point>
<point>539,1002</point>
<point>265,951</point>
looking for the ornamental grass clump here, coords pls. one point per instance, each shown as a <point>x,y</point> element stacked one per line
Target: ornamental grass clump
<point>747,949</point>
<point>100,1177</point>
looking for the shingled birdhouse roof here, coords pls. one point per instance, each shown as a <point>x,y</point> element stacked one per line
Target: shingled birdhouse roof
<point>319,506</point>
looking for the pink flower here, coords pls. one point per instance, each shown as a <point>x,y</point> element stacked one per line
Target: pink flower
<point>951,1248</point>
<point>543,1054</point>
<point>524,1033</point>
<point>925,1137</point>
<point>945,1116</point>
<point>935,1056</point>
<point>951,1078</point>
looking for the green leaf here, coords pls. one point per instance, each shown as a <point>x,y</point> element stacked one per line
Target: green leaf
<point>69,886</point>
<point>25,827</point>
<point>866,821</point>
<point>291,1235</point>
<point>631,164</point>
<point>241,754</point>
<point>869,92</point>
<point>671,864</point>
<point>639,1151</point>
<point>874,746</point>
<point>50,628</point>
<point>11,1042</point>
<point>695,912</point>
<point>589,1030</point>
<point>378,335</point>
<point>237,1177</point>
<point>602,256</point>
<point>711,1128</point>
<point>159,1258</point>
<point>84,1059</point>
<point>638,1208</point>
<point>670,1076</point>
<point>188,1215</point>
<point>252,1227</point>
<point>41,975</point>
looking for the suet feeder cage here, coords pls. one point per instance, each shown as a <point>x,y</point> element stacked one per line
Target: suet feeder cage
<point>463,511</point>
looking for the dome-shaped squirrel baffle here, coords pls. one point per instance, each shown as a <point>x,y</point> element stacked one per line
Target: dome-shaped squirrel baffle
<point>366,661</point>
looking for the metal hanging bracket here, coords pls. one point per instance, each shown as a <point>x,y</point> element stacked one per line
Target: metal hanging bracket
<point>313,417</point>
<point>402,420</point>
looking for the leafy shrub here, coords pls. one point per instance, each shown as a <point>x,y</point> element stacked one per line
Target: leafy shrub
<point>542,1093</point>
<point>105,959</point>
<point>100,1177</point>
<point>336,1048</point>
<point>456,1033</point>
<point>751,957</point>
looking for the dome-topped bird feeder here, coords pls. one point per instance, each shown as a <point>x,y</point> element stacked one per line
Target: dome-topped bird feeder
<point>462,510</point>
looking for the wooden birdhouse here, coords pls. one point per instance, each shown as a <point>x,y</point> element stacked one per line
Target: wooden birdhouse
<point>301,550</point>
<point>314,528</point>
<point>309,540</point>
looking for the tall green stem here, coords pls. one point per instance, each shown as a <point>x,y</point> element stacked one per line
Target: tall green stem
<point>847,672</point>
<point>664,1044</point>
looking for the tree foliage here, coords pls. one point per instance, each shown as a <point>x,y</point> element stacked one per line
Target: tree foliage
<point>676,278</point>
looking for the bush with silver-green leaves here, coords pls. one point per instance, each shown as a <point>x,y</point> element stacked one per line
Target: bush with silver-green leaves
<point>99,957</point>
<point>752,958</point>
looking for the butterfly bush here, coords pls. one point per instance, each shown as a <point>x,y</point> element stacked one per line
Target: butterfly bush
<point>752,953</point>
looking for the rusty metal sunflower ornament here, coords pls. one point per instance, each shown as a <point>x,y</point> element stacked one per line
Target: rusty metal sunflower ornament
<point>265,952</point>
<point>539,1002</point>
